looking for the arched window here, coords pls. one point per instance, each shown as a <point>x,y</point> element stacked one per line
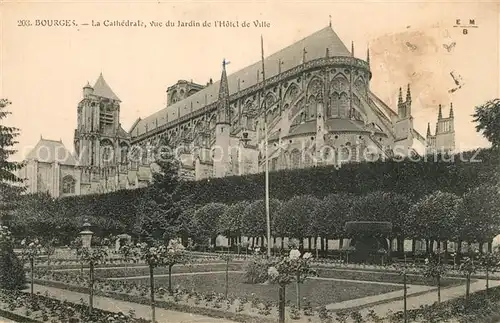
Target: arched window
<point>124,150</point>
<point>68,185</point>
<point>311,108</point>
<point>333,109</point>
<point>343,105</point>
<point>295,157</point>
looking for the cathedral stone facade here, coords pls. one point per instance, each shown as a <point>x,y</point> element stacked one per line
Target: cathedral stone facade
<point>312,106</point>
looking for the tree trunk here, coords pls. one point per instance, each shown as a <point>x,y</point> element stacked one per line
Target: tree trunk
<point>91,286</point>
<point>227,277</point>
<point>322,242</point>
<point>152,287</point>
<point>262,244</point>
<point>487,279</point>
<point>170,280</point>
<point>481,245</point>
<point>32,269</point>
<point>404,299</point>
<point>298,291</point>
<point>439,288</point>
<point>282,243</point>
<point>467,290</point>
<point>490,246</point>
<point>309,243</point>
<point>253,242</point>
<point>281,307</point>
<point>341,243</point>
<point>445,247</point>
<point>316,247</point>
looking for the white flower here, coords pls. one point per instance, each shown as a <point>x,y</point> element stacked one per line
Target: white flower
<point>294,254</point>
<point>307,255</point>
<point>273,272</point>
<point>31,244</point>
<point>23,242</point>
<point>426,261</point>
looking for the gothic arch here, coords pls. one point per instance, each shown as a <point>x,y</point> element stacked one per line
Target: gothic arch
<point>311,108</point>
<point>124,151</point>
<point>291,93</point>
<point>339,83</point>
<point>106,151</point>
<point>295,158</point>
<point>68,185</point>
<point>315,87</point>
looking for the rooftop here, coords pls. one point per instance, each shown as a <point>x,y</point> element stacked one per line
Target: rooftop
<point>311,47</point>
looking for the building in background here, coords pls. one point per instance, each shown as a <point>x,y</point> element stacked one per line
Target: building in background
<point>314,108</point>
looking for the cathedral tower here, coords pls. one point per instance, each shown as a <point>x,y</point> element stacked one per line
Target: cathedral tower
<point>404,123</point>
<point>99,138</point>
<point>222,129</point>
<point>444,138</point>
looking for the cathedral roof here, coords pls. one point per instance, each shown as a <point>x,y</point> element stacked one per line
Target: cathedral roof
<point>332,125</point>
<point>311,47</point>
<point>49,151</point>
<point>102,89</point>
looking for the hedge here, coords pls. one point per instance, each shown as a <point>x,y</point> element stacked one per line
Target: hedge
<point>414,179</point>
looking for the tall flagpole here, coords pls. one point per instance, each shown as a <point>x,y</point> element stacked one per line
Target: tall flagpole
<point>268,217</point>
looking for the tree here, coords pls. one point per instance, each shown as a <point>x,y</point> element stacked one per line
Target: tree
<point>434,217</point>
<point>31,251</point>
<point>93,257</point>
<point>295,216</point>
<point>129,252</point>
<point>435,268</point>
<point>206,220</point>
<point>384,206</point>
<point>9,190</point>
<point>330,215</point>
<point>487,117</point>
<point>12,276</point>
<point>152,221</point>
<point>489,262</point>
<point>230,223</point>
<point>254,222</point>
<point>175,254</point>
<point>478,220</point>
<point>284,270</point>
<point>153,257</point>
<point>166,176</point>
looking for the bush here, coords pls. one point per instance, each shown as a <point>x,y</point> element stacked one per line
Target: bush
<point>12,274</point>
<point>256,270</point>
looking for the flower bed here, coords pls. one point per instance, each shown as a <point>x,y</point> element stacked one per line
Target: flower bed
<point>480,308</point>
<point>144,271</point>
<point>242,305</point>
<point>22,307</point>
<point>386,277</point>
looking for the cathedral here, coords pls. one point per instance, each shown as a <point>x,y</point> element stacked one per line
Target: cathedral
<point>306,105</point>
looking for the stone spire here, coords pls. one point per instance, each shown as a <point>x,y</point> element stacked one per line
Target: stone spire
<point>428,129</point>
<point>223,104</point>
<point>408,94</point>
<point>400,97</point>
<point>352,48</point>
<point>368,55</point>
<point>440,113</point>
<point>451,110</point>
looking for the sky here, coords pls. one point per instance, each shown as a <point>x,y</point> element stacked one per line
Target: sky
<point>43,69</point>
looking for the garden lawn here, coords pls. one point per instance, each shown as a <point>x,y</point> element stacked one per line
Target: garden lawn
<point>318,292</point>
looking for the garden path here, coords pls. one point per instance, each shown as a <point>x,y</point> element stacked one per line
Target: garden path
<point>429,298</point>
<point>113,305</point>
